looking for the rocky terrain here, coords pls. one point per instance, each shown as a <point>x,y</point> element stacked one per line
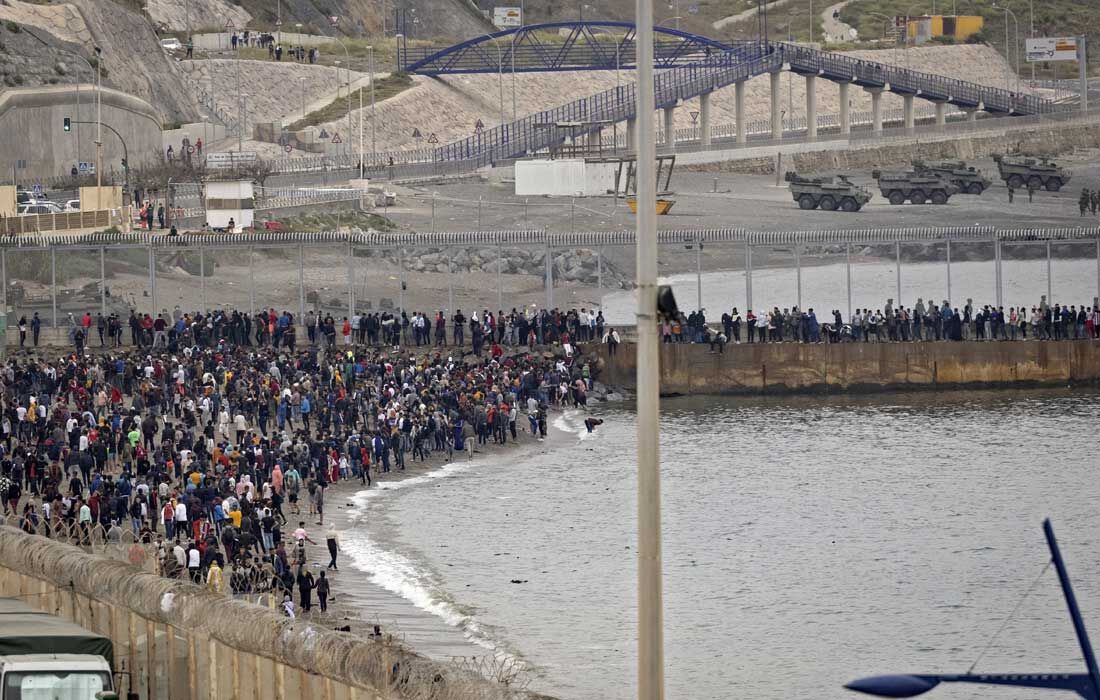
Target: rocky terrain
<point>575,265</point>
<point>196,14</point>
<point>133,60</point>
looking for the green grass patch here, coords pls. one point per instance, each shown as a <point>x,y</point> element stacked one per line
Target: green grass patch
<point>384,88</point>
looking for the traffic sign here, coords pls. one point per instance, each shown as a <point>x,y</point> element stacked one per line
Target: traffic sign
<point>85,167</point>
<point>333,19</point>
<point>324,133</point>
<point>37,190</point>
<point>190,150</point>
<point>228,24</point>
<point>416,133</point>
<point>336,138</point>
<point>693,9</point>
<point>694,116</point>
<point>289,148</point>
<point>479,126</point>
<point>432,138</point>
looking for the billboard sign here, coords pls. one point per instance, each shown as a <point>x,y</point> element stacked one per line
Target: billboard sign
<point>1061,48</point>
<point>504,17</point>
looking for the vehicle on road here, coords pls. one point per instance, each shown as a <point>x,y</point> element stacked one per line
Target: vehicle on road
<point>71,205</point>
<point>42,656</point>
<point>1021,171</point>
<point>969,179</point>
<point>39,206</point>
<point>829,193</point>
<point>899,187</point>
<point>171,44</point>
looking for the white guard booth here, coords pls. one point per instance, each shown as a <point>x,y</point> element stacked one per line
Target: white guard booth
<point>565,177</point>
<point>227,200</point>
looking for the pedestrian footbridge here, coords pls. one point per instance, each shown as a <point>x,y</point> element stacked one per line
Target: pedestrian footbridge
<point>692,66</point>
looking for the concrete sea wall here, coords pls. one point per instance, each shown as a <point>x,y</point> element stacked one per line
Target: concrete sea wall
<point>175,641</point>
<point>861,367</point>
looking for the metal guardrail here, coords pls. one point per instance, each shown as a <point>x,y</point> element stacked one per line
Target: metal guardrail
<point>548,239</point>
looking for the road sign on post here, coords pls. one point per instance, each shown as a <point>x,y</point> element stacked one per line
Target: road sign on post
<point>479,126</point>
<point>694,116</point>
<point>336,138</point>
<point>37,190</point>
<point>416,133</point>
<point>1060,48</point>
<point>432,138</point>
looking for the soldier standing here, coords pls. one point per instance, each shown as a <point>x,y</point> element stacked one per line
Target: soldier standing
<point>1084,201</point>
<point>1095,201</point>
<point>1030,193</point>
<point>1011,194</point>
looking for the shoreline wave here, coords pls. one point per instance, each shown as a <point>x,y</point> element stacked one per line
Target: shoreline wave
<point>396,573</point>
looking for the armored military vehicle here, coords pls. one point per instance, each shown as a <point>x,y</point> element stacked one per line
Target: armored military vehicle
<point>969,179</point>
<point>1020,171</point>
<point>918,188</point>
<point>827,192</point>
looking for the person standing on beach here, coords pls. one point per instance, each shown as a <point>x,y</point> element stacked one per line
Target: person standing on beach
<point>322,591</point>
<point>332,539</point>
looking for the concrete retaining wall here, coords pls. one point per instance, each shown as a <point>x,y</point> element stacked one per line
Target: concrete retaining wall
<point>31,130</point>
<point>175,641</point>
<point>862,367</point>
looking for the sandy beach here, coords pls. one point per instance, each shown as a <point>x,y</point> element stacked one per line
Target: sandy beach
<point>377,585</point>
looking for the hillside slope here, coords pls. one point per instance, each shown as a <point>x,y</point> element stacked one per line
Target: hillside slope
<point>133,60</point>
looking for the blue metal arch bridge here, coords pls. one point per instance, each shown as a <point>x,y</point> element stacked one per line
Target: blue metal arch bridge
<point>694,65</point>
<point>560,46</point>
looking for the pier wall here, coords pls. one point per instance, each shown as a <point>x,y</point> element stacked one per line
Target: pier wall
<point>176,641</point>
<point>860,367</point>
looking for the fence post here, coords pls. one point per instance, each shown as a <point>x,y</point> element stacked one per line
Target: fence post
<point>53,290</point>
<point>847,269</point>
<point>450,280</point>
<point>748,276</point>
<point>401,278</point>
<point>102,281</point>
<point>549,277</point>
<point>997,267</point>
<point>433,212</point>
<point>351,282</point>
<point>948,269</point>
<point>599,277</point>
<point>479,198</point>
<point>573,215</point>
<point>897,263</point>
<point>202,278</point>
<point>798,274</point>
<point>1050,277</point>
<point>500,288</point>
<point>152,281</point>
<point>301,283</point>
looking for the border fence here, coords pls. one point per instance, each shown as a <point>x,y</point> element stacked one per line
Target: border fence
<point>62,276</point>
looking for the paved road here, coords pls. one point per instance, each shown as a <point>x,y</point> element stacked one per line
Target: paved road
<point>747,14</point>
<point>835,30</point>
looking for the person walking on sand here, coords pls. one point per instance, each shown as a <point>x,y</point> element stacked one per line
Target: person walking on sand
<point>332,539</point>
<point>322,586</point>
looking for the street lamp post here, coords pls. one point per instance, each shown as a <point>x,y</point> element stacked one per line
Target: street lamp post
<point>99,128</point>
<point>1016,44</point>
<point>500,74</point>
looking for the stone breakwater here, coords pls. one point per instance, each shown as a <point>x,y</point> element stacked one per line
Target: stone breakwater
<point>581,265</point>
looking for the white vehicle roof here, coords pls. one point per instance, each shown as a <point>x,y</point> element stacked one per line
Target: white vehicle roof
<point>53,662</point>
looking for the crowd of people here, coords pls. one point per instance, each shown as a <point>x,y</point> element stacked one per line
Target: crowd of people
<point>214,437</point>
<point>920,322</point>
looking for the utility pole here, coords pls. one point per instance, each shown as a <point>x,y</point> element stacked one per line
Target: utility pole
<point>373,132</point>
<point>651,682</point>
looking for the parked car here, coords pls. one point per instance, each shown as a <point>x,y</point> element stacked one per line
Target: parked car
<point>71,205</point>
<point>39,207</point>
<point>171,44</point>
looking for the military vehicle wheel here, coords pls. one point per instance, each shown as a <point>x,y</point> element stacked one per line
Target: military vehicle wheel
<point>1015,182</point>
<point>896,197</point>
<point>1035,182</point>
<point>806,202</point>
<point>827,203</point>
<point>1054,184</point>
<point>917,197</point>
<point>939,197</point>
<point>849,204</point>
<point>975,188</point>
